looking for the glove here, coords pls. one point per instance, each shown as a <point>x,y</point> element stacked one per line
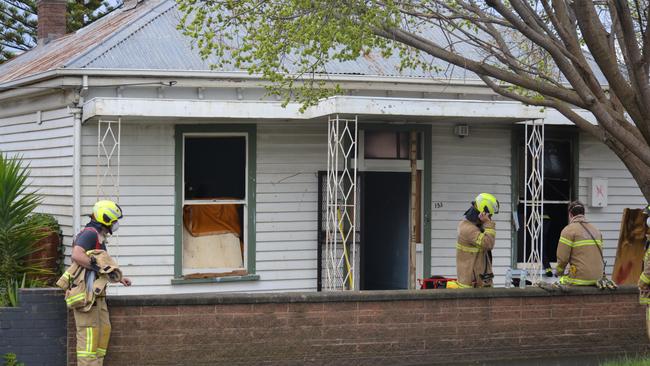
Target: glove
<point>605,283</point>
<point>559,286</point>
<point>548,272</point>
<point>611,285</point>
<point>93,264</point>
<point>643,286</point>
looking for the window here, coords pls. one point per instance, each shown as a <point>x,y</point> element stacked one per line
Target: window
<point>215,168</point>
<point>560,146</point>
<point>558,170</point>
<point>388,145</point>
<point>214,230</point>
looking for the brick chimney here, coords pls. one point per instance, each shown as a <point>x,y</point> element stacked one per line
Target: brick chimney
<point>51,19</point>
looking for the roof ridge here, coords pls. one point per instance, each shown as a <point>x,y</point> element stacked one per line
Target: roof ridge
<point>119,32</point>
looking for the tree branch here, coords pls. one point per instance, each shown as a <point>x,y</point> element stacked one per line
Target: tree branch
<point>630,39</point>
<point>594,35</point>
<point>435,50</point>
<point>567,68</point>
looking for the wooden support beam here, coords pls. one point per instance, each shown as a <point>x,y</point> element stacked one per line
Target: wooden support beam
<point>414,201</point>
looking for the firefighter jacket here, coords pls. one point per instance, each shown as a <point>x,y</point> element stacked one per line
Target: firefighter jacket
<point>580,253</point>
<point>644,280</point>
<point>474,254</point>
<point>84,285</point>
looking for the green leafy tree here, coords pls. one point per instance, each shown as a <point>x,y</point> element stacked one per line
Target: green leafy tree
<point>19,22</point>
<point>533,51</point>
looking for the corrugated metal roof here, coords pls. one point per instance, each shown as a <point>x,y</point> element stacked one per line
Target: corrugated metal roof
<point>147,38</point>
<point>159,45</point>
<point>60,51</point>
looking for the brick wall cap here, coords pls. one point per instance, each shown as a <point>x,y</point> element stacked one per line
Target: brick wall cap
<point>38,2</point>
<point>316,297</point>
<point>42,290</point>
<point>11,309</point>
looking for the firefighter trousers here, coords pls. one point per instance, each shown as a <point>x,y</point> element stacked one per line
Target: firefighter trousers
<point>647,321</point>
<point>93,333</point>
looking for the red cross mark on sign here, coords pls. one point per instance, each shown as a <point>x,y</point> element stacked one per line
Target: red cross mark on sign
<point>599,191</point>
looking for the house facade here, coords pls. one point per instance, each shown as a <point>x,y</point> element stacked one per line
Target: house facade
<point>223,189</point>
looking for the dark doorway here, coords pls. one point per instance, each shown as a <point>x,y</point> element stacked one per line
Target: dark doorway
<point>560,149</point>
<point>554,220</point>
<point>384,252</point>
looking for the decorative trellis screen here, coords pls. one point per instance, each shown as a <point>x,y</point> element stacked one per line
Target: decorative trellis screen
<point>340,253</point>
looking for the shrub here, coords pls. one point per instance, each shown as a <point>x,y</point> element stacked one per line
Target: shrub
<point>18,232</point>
<point>11,360</point>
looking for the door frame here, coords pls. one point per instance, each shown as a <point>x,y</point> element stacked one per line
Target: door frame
<point>427,150</point>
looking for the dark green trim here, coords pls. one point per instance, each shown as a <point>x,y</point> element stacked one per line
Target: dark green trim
<point>426,237</point>
<point>252,197</point>
<point>575,146</point>
<point>426,184</point>
<point>182,281</point>
<point>251,130</point>
<point>178,204</point>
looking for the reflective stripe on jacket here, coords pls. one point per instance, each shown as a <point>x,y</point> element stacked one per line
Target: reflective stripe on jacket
<point>579,254</point>
<point>73,281</point>
<point>472,249</point>
<point>644,280</point>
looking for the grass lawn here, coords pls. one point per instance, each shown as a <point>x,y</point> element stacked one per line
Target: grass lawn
<point>629,361</point>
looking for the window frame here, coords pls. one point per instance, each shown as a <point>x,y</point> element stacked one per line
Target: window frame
<point>552,132</point>
<point>249,202</point>
<point>397,165</point>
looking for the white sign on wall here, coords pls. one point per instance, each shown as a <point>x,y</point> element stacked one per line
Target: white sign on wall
<point>598,192</point>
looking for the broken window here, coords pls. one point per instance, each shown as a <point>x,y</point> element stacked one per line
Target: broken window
<point>214,205</point>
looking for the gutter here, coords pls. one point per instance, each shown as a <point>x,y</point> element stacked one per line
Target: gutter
<point>238,75</point>
<point>229,75</point>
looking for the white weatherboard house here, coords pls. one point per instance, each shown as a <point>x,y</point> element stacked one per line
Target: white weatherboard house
<point>216,178</point>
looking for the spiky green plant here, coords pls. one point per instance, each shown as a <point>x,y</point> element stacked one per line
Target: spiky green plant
<point>17,234</point>
<point>11,360</point>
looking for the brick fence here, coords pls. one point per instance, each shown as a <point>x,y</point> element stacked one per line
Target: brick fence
<point>372,328</point>
<point>35,330</point>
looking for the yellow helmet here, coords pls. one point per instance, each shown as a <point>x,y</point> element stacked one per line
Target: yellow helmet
<point>486,202</point>
<point>107,212</point>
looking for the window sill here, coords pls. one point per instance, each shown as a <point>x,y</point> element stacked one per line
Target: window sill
<point>183,281</point>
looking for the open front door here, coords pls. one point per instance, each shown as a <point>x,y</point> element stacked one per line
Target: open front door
<point>385,228</point>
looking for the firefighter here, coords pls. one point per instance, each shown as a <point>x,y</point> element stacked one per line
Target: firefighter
<point>93,326</point>
<point>644,280</point>
<point>475,242</point>
<point>580,250</point>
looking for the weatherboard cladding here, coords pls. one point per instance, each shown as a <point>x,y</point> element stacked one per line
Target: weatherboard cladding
<point>47,147</point>
<point>288,157</point>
